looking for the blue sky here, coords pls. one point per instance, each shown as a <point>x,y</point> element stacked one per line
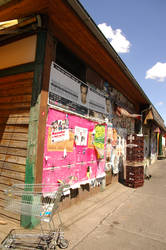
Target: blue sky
<point>137,31</point>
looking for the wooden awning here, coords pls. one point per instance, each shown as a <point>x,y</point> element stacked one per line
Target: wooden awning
<point>149,116</point>
<point>153,115</point>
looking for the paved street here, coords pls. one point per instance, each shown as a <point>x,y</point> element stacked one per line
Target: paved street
<point>138,220</point>
<point>118,218</point>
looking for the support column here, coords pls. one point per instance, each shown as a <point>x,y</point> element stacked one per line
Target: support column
<point>30,221</point>
<point>160,144</point>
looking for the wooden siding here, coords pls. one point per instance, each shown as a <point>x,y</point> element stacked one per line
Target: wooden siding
<point>25,53</point>
<point>15,102</point>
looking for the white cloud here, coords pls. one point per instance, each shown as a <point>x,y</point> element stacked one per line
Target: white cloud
<point>116,38</point>
<point>157,72</point>
<point>159,103</point>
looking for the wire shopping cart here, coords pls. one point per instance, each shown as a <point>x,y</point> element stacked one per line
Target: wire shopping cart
<point>40,201</point>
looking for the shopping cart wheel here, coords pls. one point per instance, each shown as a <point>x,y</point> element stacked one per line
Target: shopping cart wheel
<point>51,248</point>
<point>63,243</point>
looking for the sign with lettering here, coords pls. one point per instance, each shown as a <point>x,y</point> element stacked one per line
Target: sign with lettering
<point>67,91</point>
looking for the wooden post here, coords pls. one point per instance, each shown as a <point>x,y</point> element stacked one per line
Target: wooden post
<point>32,148</point>
<point>49,57</point>
<point>45,54</point>
<point>160,145</point>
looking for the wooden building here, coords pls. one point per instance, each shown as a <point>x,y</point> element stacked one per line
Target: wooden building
<point>48,31</point>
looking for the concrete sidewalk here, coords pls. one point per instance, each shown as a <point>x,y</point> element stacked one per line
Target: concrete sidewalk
<point>83,217</point>
<point>122,218</point>
<point>84,221</point>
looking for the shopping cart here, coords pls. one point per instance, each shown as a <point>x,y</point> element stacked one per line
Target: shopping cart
<point>40,201</point>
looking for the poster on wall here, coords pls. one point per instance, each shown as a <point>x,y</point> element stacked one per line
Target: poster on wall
<point>116,148</point>
<point>70,150</point>
<point>97,101</point>
<point>99,140</point>
<point>81,136</point>
<point>67,90</point>
<point>59,131</point>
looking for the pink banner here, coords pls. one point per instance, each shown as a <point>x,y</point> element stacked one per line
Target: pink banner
<point>69,149</point>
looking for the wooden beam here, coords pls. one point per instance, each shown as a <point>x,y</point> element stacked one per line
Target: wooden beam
<point>49,57</point>
<point>19,9</point>
<point>28,67</point>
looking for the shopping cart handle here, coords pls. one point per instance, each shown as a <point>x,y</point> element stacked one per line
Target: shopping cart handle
<point>8,192</point>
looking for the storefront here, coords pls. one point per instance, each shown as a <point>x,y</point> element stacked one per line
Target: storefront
<point>67,99</point>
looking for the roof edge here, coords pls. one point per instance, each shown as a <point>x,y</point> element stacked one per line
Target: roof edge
<point>85,17</point>
<point>83,14</point>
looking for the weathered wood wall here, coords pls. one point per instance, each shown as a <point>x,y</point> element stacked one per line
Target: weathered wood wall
<point>15,102</point>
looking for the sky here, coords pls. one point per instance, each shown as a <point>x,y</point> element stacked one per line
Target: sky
<point>137,32</point>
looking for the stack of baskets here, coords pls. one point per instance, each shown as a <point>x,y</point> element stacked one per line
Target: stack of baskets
<point>135,158</point>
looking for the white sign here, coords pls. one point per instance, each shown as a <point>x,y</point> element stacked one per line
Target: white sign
<point>131,145</point>
<point>59,131</point>
<point>81,136</point>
